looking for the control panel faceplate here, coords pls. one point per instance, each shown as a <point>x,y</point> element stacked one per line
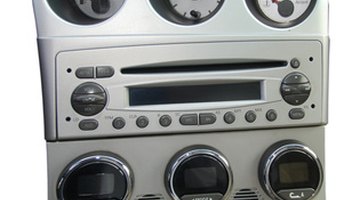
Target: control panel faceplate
<point>104,107</point>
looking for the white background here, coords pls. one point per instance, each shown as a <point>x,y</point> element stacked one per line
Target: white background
<point>22,144</point>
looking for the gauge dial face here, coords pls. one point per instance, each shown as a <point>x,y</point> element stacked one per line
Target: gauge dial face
<point>195,9</point>
<point>284,11</point>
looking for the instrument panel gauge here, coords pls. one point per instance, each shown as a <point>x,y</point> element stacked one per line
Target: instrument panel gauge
<point>187,12</point>
<point>195,9</point>
<point>281,13</point>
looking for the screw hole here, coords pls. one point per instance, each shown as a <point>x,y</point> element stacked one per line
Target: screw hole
<point>69,70</point>
<point>313,106</point>
<point>311,59</point>
<point>68,119</point>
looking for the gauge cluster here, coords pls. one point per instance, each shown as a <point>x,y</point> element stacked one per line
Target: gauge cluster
<point>273,13</point>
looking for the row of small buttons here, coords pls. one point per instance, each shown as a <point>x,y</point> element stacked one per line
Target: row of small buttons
<point>192,119</point>
<point>101,72</point>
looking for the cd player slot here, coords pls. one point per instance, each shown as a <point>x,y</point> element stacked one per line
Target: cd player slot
<point>204,67</point>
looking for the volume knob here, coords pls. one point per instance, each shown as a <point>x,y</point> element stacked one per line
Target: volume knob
<point>88,99</point>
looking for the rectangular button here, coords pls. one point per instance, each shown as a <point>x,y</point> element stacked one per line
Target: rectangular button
<point>85,72</point>
<point>104,72</point>
<point>88,124</point>
<point>207,118</point>
<point>189,119</point>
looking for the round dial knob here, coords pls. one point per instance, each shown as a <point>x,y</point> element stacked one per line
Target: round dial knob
<point>198,173</point>
<point>295,88</point>
<point>290,170</point>
<point>88,99</point>
<point>95,176</point>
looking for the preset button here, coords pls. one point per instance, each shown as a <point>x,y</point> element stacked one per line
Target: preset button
<point>165,120</point>
<point>250,116</point>
<point>142,122</point>
<point>229,117</point>
<point>119,123</point>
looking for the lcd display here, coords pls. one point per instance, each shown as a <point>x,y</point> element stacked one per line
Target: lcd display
<point>193,94</point>
<point>291,173</point>
<point>95,185</point>
<point>201,177</point>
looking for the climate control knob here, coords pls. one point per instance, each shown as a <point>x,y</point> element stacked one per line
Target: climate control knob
<point>290,170</point>
<point>88,99</point>
<point>198,172</point>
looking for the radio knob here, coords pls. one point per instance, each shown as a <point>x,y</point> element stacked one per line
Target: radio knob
<point>295,88</point>
<point>88,99</point>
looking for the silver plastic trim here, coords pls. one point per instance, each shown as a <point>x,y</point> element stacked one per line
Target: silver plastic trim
<point>195,152</point>
<point>121,166</point>
<point>288,148</point>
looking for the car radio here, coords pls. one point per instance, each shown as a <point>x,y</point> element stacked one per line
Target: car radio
<point>184,100</point>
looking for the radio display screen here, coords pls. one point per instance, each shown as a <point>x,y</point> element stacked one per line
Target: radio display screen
<point>140,96</point>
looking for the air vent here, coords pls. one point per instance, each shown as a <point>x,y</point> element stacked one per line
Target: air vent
<point>150,197</point>
<point>247,194</point>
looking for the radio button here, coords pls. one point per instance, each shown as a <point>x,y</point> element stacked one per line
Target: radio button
<point>296,99</point>
<point>85,72</point>
<point>271,115</point>
<point>298,194</point>
<point>104,72</point>
<point>295,63</point>
<point>165,120</point>
<point>207,118</point>
<point>250,116</point>
<point>89,88</point>
<point>229,117</point>
<point>88,99</point>
<point>295,89</point>
<point>88,124</point>
<point>142,122</point>
<point>118,123</point>
<point>295,78</point>
<point>189,119</point>
<point>297,113</point>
